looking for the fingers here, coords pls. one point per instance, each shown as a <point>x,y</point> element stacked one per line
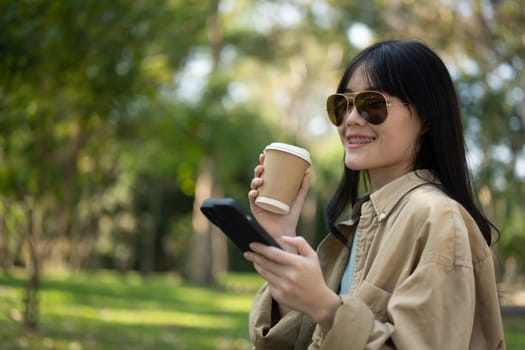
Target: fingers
<point>258,170</point>
<point>267,255</point>
<point>265,266</point>
<point>294,280</point>
<point>278,256</point>
<point>261,158</point>
<point>300,244</point>
<point>257,180</point>
<point>256,183</point>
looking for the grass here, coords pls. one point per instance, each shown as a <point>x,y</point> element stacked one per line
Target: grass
<point>514,332</point>
<point>107,311</point>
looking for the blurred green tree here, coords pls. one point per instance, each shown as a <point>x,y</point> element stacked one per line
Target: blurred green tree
<point>71,73</point>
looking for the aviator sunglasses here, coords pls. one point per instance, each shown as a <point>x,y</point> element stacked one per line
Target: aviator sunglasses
<point>372,106</point>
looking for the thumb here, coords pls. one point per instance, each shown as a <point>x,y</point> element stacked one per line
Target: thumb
<point>300,244</point>
<point>303,190</point>
<point>305,185</point>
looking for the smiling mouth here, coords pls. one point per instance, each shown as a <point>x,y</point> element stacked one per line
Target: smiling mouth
<point>360,140</point>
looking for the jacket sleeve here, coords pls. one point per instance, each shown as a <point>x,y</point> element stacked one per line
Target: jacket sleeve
<point>281,336</point>
<point>433,309</point>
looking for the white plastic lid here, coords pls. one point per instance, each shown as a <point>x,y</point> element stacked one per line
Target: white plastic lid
<point>298,151</point>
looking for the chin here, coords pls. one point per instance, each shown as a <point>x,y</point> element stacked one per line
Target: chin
<point>354,166</point>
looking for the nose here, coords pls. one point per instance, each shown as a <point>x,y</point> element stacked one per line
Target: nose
<point>352,117</point>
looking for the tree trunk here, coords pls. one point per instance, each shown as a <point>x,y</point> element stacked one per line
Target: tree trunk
<point>209,256</point>
<point>6,260</point>
<point>147,257</point>
<point>31,297</point>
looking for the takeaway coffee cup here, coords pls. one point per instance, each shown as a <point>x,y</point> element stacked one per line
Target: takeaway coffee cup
<point>284,169</point>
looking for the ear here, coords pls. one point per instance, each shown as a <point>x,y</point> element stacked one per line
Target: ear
<point>425,126</point>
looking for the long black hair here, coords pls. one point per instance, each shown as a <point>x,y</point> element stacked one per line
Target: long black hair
<point>411,71</point>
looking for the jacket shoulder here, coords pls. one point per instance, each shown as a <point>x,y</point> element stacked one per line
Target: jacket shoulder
<point>445,228</point>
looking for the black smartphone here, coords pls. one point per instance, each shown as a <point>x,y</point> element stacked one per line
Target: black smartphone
<point>231,217</point>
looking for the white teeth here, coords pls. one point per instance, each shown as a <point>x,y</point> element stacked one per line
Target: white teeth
<point>360,140</point>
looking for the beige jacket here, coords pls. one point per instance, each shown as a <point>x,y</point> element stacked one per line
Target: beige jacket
<point>424,279</point>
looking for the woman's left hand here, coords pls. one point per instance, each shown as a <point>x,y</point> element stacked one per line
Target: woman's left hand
<point>296,280</point>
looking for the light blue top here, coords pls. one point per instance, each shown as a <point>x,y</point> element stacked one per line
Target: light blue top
<point>346,281</point>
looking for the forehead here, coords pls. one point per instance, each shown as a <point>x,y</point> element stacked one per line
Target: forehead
<point>359,80</point>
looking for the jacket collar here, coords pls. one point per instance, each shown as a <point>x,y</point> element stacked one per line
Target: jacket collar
<point>387,197</point>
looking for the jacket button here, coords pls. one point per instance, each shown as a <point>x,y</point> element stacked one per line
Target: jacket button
<point>381,216</point>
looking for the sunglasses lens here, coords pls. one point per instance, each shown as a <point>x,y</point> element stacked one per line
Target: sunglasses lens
<point>371,106</point>
<point>336,106</point>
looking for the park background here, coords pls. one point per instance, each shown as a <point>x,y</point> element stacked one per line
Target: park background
<point>119,117</point>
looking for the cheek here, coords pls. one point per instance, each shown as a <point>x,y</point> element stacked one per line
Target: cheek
<point>407,134</point>
<point>340,132</point>
<point>409,145</point>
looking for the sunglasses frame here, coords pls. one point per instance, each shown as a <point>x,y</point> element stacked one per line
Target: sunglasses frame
<point>353,95</point>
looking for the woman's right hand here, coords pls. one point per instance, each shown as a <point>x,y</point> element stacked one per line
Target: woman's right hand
<point>277,225</point>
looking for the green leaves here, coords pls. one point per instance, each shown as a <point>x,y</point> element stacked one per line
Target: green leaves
<point>94,95</point>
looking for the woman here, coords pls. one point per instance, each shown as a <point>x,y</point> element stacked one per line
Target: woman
<point>412,267</point>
